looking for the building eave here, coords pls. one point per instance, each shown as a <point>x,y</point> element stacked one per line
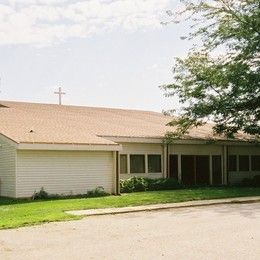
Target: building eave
<point>155,140</point>
<point>69,147</point>
<point>9,140</point>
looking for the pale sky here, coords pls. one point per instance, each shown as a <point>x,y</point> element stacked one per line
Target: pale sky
<point>108,53</point>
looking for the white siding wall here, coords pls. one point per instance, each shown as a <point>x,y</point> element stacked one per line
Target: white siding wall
<point>195,149</point>
<point>7,169</point>
<point>63,172</point>
<point>142,148</point>
<point>244,150</point>
<point>237,177</point>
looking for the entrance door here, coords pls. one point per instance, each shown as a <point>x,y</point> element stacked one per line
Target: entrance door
<point>216,170</point>
<point>173,173</point>
<point>195,169</point>
<point>202,169</point>
<point>188,169</point>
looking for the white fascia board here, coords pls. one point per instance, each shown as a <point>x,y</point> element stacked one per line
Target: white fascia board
<point>179,141</point>
<point>69,147</point>
<point>216,142</point>
<point>134,139</point>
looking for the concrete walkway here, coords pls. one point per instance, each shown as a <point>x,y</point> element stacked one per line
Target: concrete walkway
<point>196,203</point>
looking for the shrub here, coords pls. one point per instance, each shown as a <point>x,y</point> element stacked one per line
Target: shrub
<point>255,181</point>
<point>42,194</point>
<point>126,186</point>
<point>133,184</point>
<point>246,182</point>
<point>164,184</point>
<point>97,192</point>
<point>145,184</point>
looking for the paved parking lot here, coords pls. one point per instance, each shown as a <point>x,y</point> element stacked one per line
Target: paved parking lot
<point>214,232</point>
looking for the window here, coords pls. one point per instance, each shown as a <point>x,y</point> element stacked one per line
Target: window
<point>243,163</point>
<point>154,163</point>
<point>255,161</point>
<point>137,163</point>
<point>123,163</point>
<point>232,163</point>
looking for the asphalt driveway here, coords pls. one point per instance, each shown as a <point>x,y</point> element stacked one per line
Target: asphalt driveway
<point>214,232</point>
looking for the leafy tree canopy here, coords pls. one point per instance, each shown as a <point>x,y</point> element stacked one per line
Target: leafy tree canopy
<point>219,80</point>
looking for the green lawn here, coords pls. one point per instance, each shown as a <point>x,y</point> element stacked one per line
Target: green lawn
<point>17,213</point>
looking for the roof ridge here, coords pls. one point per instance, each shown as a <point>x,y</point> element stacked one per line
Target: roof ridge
<point>79,106</point>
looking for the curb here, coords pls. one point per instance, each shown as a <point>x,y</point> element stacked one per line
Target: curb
<point>156,207</point>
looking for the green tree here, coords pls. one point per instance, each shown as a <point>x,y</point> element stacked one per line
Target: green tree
<point>219,80</point>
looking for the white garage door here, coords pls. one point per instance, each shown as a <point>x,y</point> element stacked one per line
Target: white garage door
<point>63,172</point>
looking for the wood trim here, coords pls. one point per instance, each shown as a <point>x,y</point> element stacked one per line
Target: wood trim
<point>146,163</point>
<point>195,168</point>
<point>210,170</point>
<point>225,165</point>
<point>117,173</point>
<point>167,162</point>
<point>179,169</point>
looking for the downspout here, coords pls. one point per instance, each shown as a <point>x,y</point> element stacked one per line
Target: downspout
<point>167,161</point>
<point>117,174</point>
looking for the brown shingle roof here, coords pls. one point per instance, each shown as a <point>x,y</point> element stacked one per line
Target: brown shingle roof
<point>48,123</point>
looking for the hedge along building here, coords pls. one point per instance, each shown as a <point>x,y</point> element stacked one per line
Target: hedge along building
<point>72,149</point>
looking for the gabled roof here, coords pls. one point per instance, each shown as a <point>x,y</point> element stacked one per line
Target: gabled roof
<point>54,124</point>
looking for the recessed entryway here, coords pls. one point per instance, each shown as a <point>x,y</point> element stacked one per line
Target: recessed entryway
<point>195,169</point>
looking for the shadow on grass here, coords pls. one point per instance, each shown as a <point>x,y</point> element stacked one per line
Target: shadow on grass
<point>5,201</point>
<point>9,201</point>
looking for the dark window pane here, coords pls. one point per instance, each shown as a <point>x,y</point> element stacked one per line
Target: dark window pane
<point>123,163</point>
<point>232,163</point>
<point>154,163</point>
<point>137,163</point>
<point>243,163</point>
<point>174,166</point>
<point>188,169</point>
<point>255,160</point>
<point>216,170</point>
<point>202,169</point>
